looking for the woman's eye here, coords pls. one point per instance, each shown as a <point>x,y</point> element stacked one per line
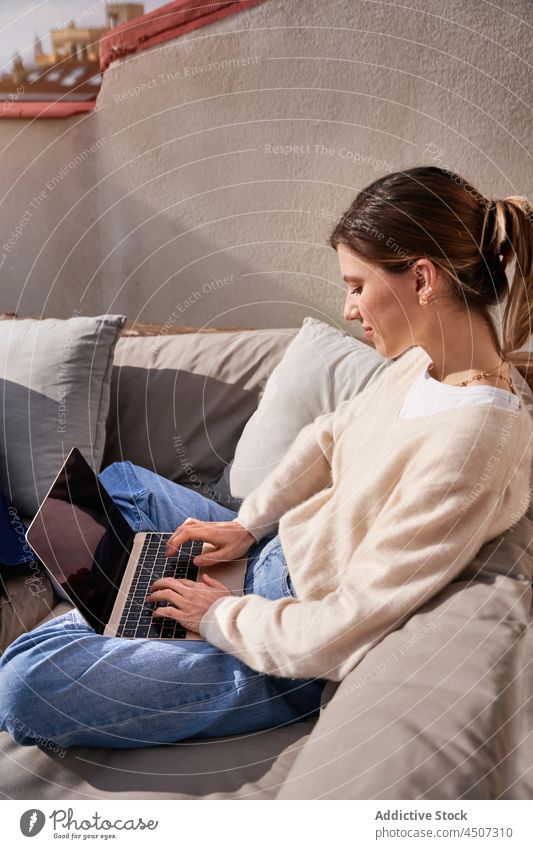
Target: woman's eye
<point>354,291</point>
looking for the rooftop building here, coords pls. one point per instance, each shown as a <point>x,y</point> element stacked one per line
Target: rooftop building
<point>72,69</point>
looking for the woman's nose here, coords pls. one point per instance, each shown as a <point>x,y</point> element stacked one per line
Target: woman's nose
<point>350,313</point>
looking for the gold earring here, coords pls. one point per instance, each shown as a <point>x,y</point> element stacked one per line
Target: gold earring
<point>429,298</point>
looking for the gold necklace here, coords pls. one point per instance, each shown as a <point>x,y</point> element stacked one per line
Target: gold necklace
<point>481,375</point>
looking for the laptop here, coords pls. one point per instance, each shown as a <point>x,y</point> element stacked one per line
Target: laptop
<point>96,560</point>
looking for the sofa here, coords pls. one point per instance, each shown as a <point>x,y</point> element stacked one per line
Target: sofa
<point>440,708</point>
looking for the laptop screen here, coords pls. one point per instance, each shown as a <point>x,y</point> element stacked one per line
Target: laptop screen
<point>83,540</point>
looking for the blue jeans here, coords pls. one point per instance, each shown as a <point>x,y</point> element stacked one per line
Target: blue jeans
<point>65,683</point>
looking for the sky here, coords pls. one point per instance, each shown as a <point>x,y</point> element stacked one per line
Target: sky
<point>20,20</point>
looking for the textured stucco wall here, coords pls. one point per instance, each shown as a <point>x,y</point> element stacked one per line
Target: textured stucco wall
<point>182,210</point>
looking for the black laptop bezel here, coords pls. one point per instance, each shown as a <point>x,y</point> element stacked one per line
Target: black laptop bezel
<point>119,531</point>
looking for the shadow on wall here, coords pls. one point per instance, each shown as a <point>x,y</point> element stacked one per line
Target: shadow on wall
<point>155,265</point>
<point>176,262</point>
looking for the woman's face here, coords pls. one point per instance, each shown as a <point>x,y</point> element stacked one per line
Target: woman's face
<point>379,300</point>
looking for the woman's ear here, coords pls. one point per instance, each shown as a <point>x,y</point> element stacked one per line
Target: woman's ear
<point>425,275</point>
<point>420,280</point>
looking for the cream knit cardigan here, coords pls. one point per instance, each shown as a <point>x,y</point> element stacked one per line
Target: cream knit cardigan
<point>376,515</point>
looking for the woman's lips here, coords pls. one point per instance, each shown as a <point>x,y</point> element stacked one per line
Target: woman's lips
<point>369,332</point>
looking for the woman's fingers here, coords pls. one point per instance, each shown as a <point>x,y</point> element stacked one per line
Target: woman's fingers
<point>175,584</point>
<point>173,596</point>
<point>185,603</point>
<point>182,535</point>
<point>194,529</point>
<point>167,612</point>
<point>227,540</point>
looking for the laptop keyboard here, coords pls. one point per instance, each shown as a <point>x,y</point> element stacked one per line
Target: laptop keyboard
<point>137,619</point>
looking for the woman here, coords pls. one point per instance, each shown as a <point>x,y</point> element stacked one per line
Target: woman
<point>379,505</point>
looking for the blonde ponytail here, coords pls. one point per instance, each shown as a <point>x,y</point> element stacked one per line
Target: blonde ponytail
<point>514,230</point>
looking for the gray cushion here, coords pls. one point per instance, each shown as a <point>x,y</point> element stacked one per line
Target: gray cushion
<point>55,394</point>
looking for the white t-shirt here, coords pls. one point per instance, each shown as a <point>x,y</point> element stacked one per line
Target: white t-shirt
<point>428,396</point>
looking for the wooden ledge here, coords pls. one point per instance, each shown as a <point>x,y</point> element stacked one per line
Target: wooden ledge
<point>138,328</point>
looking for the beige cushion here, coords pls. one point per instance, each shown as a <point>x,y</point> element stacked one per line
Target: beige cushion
<point>438,708</point>
<point>55,394</point>
<point>179,403</point>
<point>321,368</point>
<point>249,766</point>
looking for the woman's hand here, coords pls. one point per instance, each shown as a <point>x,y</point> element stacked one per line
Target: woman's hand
<point>191,599</point>
<point>230,540</point>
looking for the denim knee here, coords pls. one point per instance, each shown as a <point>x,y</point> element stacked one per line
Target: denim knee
<point>119,472</point>
<point>31,683</point>
<point>21,708</point>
